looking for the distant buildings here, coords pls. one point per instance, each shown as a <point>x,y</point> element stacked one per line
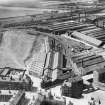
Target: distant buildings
<point>101,1</point>
<point>85,1</point>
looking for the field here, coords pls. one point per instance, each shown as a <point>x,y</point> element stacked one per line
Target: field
<point>17,48</point>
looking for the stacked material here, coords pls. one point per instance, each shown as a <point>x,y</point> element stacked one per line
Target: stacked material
<point>36,64</point>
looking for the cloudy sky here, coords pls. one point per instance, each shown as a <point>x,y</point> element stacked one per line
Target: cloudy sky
<point>22,7</point>
<point>13,8</point>
<point>19,2</point>
<point>24,3</point>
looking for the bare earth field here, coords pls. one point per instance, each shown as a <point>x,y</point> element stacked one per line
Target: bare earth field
<point>17,48</point>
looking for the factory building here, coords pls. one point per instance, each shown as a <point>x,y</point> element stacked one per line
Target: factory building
<point>55,71</point>
<point>12,97</point>
<point>47,71</point>
<point>18,99</point>
<point>73,88</point>
<point>57,65</point>
<point>99,79</point>
<point>68,60</point>
<point>5,98</point>
<point>101,1</point>
<point>14,79</point>
<point>88,63</point>
<point>92,35</point>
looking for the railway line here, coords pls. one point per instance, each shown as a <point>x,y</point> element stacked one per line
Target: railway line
<point>28,20</point>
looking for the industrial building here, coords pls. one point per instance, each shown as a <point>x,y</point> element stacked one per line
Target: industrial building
<point>18,99</point>
<point>14,79</point>
<point>70,53</point>
<point>73,88</point>
<point>99,80</point>
<point>12,98</point>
